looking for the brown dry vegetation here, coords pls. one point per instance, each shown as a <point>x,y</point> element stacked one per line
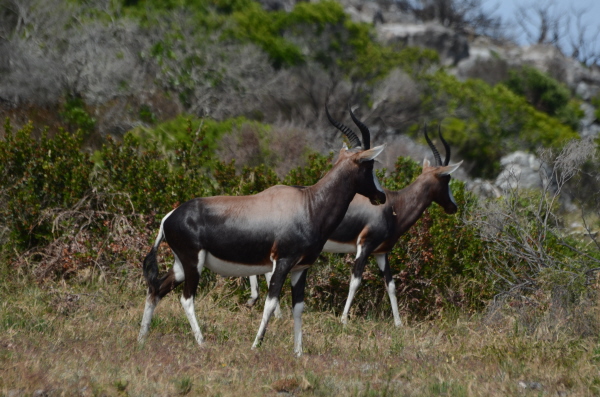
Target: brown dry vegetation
<point>79,338</point>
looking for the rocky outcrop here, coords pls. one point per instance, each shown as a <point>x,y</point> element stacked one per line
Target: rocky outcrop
<point>584,81</point>
<point>452,46</point>
<point>522,170</point>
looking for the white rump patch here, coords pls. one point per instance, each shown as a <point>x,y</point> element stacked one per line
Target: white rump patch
<point>339,248</point>
<point>161,230</point>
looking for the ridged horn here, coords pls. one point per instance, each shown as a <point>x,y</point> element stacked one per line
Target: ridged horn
<point>354,141</point>
<point>366,135</point>
<point>436,154</point>
<point>446,146</point>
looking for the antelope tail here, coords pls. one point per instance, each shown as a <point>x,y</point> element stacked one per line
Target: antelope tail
<point>151,263</point>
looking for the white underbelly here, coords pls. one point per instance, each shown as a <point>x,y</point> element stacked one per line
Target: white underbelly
<point>339,248</point>
<point>231,269</point>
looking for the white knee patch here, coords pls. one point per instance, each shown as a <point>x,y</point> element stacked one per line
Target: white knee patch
<point>298,309</point>
<point>380,258</point>
<point>178,270</point>
<point>270,305</point>
<point>201,260</point>
<point>295,276</point>
<point>358,249</point>
<point>354,283</point>
<point>392,288</point>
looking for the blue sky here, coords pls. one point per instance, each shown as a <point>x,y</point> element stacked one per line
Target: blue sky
<point>591,17</point>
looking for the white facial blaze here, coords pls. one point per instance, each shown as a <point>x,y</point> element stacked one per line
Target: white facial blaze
<point>451,196</point>
<point>377,185</point>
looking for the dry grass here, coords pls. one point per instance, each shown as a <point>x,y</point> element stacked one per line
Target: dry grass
<point>79,338</point>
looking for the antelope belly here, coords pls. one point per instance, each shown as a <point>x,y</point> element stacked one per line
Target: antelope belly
<point>232,269</point>
<point>339,248</point>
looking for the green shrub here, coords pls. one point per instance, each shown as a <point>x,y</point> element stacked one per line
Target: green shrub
<point>487,122</point>
<point>75,115</point>
<point>540,90</point>
<point>596,102</point>
<point>37,175</point>
<point>156,180</point>
<point>318,165</point>
<point>323,33</point>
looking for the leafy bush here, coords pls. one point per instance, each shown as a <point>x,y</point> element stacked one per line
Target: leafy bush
<point>532,256</point>
<point>37,175</point>
<point>540,90</point>
<point>102,215</point>
<point>596,102</point>
<point>76,116</point>
<point>487,122</point>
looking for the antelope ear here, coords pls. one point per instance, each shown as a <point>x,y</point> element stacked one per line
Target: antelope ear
<point>426,163</point>
<point>447,170</point>
<point>345,146</point>
<point>370,154</point>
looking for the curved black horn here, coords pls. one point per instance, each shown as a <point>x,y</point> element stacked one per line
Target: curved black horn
<point>436,154</point>
<point>446,146</point>
<point>354,141</point>
<point>363,129</point>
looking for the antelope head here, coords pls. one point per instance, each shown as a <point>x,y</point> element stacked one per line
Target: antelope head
<point>362,157</point>
<point>440,190</point>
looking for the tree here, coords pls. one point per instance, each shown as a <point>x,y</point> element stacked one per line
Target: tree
<point>545,22</point>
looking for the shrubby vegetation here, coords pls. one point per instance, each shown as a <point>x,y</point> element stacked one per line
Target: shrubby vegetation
<point>122,151</point>
<point>84,205</point>
<point>67,210</point>
<point>227,59</point>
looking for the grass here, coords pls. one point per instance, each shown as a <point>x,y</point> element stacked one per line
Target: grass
<point>79,338</point>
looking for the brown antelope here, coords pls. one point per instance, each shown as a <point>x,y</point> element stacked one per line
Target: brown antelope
<point>280,230</point>
<point>368,229</point>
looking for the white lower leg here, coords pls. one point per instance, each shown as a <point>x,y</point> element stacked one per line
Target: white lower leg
<point>253,291</point>
<point>354,284</point>
<point>391,288</point>
<point>147,318</point>
<point>188,307</point>
<point>278,307</point>
<point>270,305</point>
<point>298,309</point>
<point>394,302</point>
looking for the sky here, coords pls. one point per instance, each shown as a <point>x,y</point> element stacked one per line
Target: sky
<point>591,16</point>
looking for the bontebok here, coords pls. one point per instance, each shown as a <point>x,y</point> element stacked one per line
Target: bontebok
<point>368,229</point>
<point>280,230</point>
